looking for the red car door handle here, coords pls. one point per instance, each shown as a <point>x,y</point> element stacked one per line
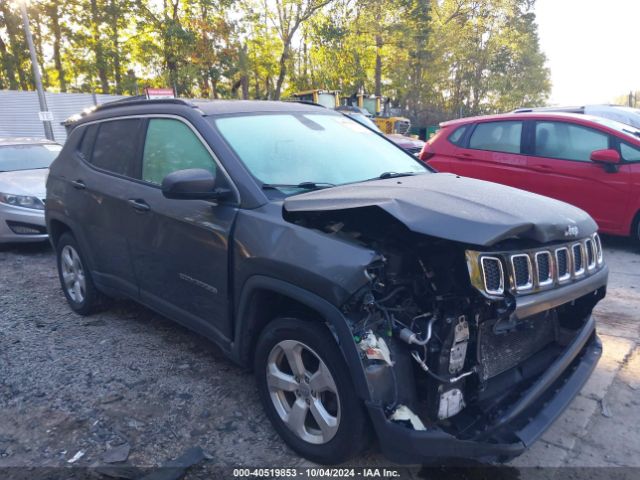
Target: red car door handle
<point>542,168</point>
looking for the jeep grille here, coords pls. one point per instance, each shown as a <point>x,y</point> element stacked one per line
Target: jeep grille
<point>534,270</point>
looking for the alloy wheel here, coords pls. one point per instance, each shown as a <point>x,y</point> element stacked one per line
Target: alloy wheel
<point>73,275</point>
<point>303,391</point>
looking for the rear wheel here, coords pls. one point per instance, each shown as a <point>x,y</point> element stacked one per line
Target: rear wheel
<point>635,229</point>
<point>75,277</point>
<point>307,392</point>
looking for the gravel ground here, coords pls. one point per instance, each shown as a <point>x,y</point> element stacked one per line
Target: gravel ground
<point>127,375</point>
<point>130,380</point>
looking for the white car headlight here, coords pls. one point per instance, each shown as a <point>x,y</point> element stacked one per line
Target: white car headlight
<point>24,201</point>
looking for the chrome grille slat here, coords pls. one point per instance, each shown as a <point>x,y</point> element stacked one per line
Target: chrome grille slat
<point>590,254</point>
<point>522,271</point>
<point>598,244</point>
<point>562,261</point>
<point>577,256</point>
<point>544,267</point>
<point>493,275</point>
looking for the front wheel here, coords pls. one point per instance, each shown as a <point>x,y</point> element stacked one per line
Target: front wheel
<point>307,392</point>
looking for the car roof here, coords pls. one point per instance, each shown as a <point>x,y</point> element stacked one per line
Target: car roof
<point>225,107</point>
<point>7,141</point>
<point>138,105</point>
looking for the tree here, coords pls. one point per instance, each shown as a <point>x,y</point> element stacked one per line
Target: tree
<point>434,59</point>
<point>290,14</point>
<point>486,56</point>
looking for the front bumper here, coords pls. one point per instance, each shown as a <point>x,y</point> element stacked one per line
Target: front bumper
<point>15,217</point>
<point>523,422</point>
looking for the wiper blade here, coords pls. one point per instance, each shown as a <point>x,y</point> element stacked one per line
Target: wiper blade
<point>384,175</point>
<point>301,185</point>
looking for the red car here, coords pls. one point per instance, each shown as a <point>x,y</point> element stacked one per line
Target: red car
<point>590,162</point>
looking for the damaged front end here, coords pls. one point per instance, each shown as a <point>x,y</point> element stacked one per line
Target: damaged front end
<point>467,351</point>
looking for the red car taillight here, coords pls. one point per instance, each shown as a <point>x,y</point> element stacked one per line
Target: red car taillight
<point>427,152</point>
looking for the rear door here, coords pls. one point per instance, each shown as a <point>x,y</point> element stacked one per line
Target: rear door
<point>493,153</point>
<point>102,188</point>
<point>562,169</point>
<point>180,248</point>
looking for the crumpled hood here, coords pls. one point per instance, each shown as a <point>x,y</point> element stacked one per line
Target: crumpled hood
<point>25,182</point>
<point>456,208</point>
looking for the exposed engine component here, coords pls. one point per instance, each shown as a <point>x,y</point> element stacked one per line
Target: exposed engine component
<point>436,352</point>
<point>459,348</point>
<point>451,403</point>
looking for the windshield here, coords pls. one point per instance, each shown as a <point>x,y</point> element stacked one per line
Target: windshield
<point>27,157</point>
<point>293,148</point>
<point>364,120</point>
<point>623,128</point>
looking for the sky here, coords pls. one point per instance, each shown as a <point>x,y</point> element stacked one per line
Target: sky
<point>592,48</point>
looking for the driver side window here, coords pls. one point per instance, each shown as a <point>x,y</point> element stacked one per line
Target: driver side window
<point>170,146</point>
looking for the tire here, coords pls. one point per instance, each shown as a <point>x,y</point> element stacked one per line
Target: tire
<point>635,229</point>
<point>75,278</point>
<point>322,366</point>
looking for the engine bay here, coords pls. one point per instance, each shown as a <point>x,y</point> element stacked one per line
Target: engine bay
<point>437,354</point>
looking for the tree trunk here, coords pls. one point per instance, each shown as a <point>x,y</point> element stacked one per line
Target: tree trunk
<point>244,72</point>
<point>284,58</point>
<point>101,64</point>
<point>54,14</point>
<point>256,79</point>
<point>378,72</point>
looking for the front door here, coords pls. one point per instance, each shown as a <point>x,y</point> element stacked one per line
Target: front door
<point>181,249</point>
<point>561,168</point>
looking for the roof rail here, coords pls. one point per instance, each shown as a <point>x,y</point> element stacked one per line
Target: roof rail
<point>303,102</point>
<point>141,100</point>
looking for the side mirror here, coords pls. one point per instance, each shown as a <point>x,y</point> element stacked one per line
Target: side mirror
<point>192,184</point>
<point>608,156</point>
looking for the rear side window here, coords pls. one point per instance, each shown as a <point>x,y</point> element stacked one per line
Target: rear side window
<point>116,146</point>
<point>86,145</point>
<point>567,141</point>
<point>170,146</point>
<point>497,137</point>
<point>629,153</point>
<point>458,135</point>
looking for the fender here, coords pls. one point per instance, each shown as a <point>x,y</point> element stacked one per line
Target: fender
<point>76,231</point>
<point>336,322</point>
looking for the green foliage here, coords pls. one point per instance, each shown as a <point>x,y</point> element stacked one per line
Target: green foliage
<point>434,59</point>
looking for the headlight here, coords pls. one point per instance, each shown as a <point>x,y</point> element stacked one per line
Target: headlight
<point>24,201</point>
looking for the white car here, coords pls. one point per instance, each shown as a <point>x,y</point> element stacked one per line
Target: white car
<point>619,113</point>
<point>24,166</point>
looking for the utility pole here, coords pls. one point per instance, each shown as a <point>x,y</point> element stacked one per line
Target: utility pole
<point>45,115</point>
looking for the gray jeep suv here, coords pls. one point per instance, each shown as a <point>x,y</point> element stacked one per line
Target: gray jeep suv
<point>446,316</point>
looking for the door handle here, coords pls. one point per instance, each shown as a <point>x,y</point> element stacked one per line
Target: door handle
<point>139,205</point>
<point>78,184</point>
<point>543,168</point>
